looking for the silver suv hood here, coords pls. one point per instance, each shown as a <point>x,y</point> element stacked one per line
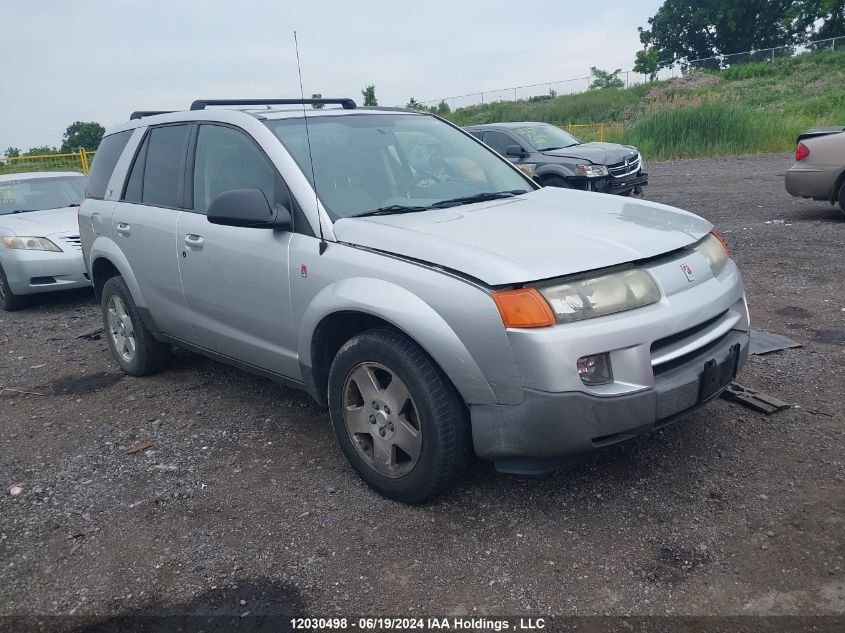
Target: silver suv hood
<point>547,233</point>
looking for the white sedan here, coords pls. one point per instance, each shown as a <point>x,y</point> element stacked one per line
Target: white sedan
<point>39,235</point>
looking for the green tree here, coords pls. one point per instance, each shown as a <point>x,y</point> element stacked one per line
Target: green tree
<point>81,135</point>
<point>605,79</point>
<point>12,152</point>
<point>413,104</point>
<point>443,108</point>
<point>38,151</point>
<point>369,94</point>
<point>317,106</point>
<point>647,62</point>
<point>817,19</point>
<point>684,30</point>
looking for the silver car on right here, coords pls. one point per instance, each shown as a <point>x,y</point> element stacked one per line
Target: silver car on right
<point>433,297</point>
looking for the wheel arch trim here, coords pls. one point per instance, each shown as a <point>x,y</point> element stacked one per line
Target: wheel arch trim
<point>409,314</point>
<point>554,170</point>
<point>105,248</point>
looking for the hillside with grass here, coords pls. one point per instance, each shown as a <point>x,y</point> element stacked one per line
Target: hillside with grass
<point>749,108</point>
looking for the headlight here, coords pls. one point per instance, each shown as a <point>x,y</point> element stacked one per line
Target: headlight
<point>592,171</point>
<point>527,169</point>
<point>715,250</point>
<point>598,296</point>
<point>642,162</point>
<point>30,244</point>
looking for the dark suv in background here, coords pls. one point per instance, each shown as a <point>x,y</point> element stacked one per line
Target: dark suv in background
<point>555,158</point>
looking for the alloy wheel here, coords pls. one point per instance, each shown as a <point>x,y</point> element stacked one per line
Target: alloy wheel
<point>121,329</point>
<point>382,420</point>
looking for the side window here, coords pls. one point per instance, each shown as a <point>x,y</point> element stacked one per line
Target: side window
<point>165,152</point>
<point>135,184</point>
<point>499,141</point>
<point>108,153</point>
<point>227,159</point>
<point>475,133</point>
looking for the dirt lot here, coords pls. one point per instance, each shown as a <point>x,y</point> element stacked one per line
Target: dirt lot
<point>245,504</point>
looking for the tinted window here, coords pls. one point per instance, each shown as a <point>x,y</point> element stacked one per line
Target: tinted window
<point>135,184</point>
<point>162,167</point>
<point>227,159</point>
<point>499,141</point>
<point>109,151</point>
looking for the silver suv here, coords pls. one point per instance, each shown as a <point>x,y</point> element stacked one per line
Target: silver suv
<point>426,291</point>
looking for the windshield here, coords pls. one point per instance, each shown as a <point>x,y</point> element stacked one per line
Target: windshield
<point>38,194</point>
<point>394,163</point>
<point>546,137</point>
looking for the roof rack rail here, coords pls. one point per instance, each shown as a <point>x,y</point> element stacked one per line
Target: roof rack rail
<point>140,114</point>
<point>202,104</point>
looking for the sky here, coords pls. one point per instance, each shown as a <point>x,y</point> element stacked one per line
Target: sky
<point>98,60</point>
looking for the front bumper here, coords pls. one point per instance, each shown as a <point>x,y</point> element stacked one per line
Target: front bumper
<point>609,184</point>
<point>623,185</point>
<point>541,433</point>
<point>33,272</point>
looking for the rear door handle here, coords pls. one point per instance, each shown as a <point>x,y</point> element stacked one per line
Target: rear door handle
<point>123,229</point>
<point>194,242</point>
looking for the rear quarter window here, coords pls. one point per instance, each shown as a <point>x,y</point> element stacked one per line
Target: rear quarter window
<point>108,153</point>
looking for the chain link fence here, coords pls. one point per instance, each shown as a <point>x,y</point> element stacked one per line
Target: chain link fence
<point>74,161</point>
<point>718,62</point>
<point>549,89</point>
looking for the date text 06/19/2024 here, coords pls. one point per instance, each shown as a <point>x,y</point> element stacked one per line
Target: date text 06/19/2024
<point>419,624</point>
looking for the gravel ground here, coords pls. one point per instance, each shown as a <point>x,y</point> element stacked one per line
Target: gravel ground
<point>244,503</point>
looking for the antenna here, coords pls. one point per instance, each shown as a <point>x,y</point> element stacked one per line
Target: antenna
<point>323,244</point>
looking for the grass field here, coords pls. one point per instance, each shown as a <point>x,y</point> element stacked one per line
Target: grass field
<point>750,108</point>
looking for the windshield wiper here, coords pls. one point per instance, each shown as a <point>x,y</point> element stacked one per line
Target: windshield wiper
<point>24,210</point>
<point>393,209</point>
<point>550,149</point>
<point>479,197</point>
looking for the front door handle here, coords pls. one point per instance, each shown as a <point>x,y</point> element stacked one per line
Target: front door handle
<point>123,229</point>
<point>194,242</point>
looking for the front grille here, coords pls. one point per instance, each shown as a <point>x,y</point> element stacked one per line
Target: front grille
<point>73,240</point>
<point>625,168</point>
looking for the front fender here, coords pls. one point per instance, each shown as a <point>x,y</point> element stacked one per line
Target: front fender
<point>410,314</point>
<point>104,247</point>
<point>564,171</point>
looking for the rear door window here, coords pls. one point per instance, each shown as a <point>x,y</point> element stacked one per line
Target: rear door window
<point>163,165</point>
<point>108,153</point>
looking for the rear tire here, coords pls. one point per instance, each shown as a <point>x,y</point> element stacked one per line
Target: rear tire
<point>399,420</point>
<point>131,344</point>
<point>842,197</point>
<point>9,301</point>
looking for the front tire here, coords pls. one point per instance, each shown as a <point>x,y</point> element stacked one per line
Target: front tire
<point>131,344</point>
<point>398,419</point>
<point>9,301</point>
<point>842,197</point>
<point>556,181</point>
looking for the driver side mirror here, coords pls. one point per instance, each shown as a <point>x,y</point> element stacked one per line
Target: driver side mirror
<point>514,150</point>
<point>247,208</point>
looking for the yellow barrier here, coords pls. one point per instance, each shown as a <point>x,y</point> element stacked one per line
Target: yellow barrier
<point>74,161</point>
<point>593,131</point>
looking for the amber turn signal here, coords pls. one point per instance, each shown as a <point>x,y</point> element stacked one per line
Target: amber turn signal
<point>523,307</point>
